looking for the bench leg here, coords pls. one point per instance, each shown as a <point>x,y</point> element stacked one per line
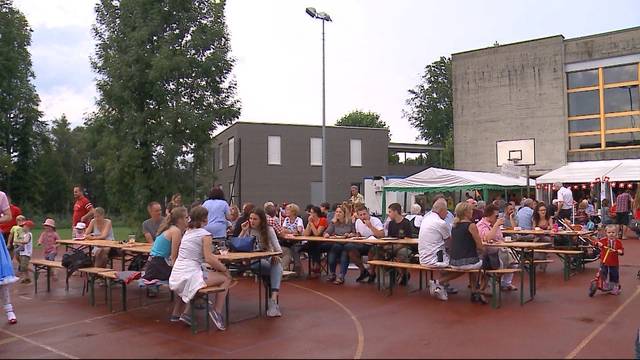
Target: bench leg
<point>206,315</point>
<point>109,295</point>
<point>494,295</point>
<point>91,283</point>
<point>124,296</point>
<point>36,268</point>
<point>420,279</point>
<point>193,316</point>
<point>226,308</point>
<point>567,266</point>
<point>66,281</point>
<point>48,278</point>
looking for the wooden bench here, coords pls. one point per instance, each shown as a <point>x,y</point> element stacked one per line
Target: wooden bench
<point>41,264</point>
<point>205,292</point>
<point>494,275</point>
<point>566,256</point>
<point>287,275</point>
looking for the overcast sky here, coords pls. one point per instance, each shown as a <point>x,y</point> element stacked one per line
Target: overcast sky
<point>376,50</point>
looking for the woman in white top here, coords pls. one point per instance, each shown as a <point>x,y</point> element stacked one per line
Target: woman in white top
<point>292,225</point>
<point>266,240</point>
<point>188,276</point>
<point>100,228</point>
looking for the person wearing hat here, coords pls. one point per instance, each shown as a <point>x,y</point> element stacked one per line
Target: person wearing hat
<point>78,231</point>
<point>48,239</point>
<point>24,251</point>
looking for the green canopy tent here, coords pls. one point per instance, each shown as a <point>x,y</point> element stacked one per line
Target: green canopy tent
<point>440,180</point>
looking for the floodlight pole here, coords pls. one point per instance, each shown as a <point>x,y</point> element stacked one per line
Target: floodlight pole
<point>324,130</point>
<point>528,187</point>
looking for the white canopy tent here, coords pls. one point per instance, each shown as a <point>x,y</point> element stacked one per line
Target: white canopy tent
<point>628,170</point>
<point>589,171</point>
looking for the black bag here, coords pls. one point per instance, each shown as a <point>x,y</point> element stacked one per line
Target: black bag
<point>138,262</point>
<point>76,260</point>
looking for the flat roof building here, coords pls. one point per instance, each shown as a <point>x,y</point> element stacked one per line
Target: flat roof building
<point>578,98</point>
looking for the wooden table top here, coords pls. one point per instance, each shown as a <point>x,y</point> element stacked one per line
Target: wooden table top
<point>519,244</point>
<point>241,256</point>
<point>341,240</point>
<point>546,232</point>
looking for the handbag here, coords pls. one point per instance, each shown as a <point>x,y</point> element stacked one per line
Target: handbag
<point>76,260</point>
<point>242,243</point>
<point>137,263</point>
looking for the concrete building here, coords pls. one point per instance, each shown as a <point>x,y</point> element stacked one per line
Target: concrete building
<point>260,162</point>
<point>578,98</point>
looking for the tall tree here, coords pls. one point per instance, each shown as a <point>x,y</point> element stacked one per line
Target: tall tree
<point>20,123</point>
<point>430,107</point>
<point>164,82</point>
<point>360,118</point>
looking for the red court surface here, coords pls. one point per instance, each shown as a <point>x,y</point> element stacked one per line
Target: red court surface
<point>322,320</point>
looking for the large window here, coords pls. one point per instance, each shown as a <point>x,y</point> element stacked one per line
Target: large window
<point>315,151</point>
<point>220,157</point>
<point>273,150</point>
<point>604,107</point>
<point>355,146</point>
<point>232,152</point>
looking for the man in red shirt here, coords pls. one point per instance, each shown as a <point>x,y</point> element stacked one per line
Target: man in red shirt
<point>82,208</point>
<point>611,248</point>
<point>5,228</point>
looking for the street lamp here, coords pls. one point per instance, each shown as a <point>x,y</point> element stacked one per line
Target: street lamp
<point>323,17</point>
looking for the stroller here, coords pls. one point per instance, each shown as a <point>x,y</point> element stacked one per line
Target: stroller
<point>601,282</point>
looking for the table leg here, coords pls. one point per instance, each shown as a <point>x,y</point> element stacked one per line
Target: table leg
<point>206,315</point>
<point>123,259</point>
<point>109,295</point>
<point>260,285</point>
<point>532,276</point>
<point>522,277</point>
<point>35,277</point>
<point>48,278</point>
<point>124,296</point>
<point>91,280</point>
<point>494,291</point>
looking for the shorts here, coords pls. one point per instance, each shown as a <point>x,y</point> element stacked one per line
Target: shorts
<point>491,261</point>
<point>565,214</point>
<point>50,256</point>
<point>157,268</point>
<point>622,218</point>
<point>466,264</point>
<point>23,265</point>
<point>612,271</point>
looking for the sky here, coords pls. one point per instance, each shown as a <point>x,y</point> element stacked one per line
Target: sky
<point>375,50</point>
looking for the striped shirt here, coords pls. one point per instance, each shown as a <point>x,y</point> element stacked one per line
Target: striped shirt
<point>622,202</point>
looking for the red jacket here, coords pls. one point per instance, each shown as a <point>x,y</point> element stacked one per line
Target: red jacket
<point>610,257</point>
<point>6,227</point>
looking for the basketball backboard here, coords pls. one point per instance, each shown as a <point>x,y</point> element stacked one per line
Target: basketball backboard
<point>517,152</point>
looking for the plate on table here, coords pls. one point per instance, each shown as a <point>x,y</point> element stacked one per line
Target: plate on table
<point>358,238</point>
<point>338,237</point>
<point>389,238</point>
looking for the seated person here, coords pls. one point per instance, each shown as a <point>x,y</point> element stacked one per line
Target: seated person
<point>100,228</point>
<point>416,218</point>
<point>292,225</point>
<point>340,225</point>
<point>401,228</point>
<point>316,226</point>
<point>366,226</point>
<point>466,245</point>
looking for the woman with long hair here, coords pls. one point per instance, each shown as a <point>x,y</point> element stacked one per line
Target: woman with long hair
<point>316,226</point>
<point>100,228</point>
<point>266,240</point>
<point>187,274</point>
<point>542,217</point>
<point>340,225</point>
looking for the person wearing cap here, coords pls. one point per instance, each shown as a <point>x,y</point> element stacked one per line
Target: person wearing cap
<point>78,231</point>
<point>48,239</point>
<point>24,251</point>
<point>16,234</point>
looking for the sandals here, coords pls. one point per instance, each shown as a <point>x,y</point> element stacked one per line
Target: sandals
<point>510,287</point>
<point>331,278</point>
<point>339,281</point>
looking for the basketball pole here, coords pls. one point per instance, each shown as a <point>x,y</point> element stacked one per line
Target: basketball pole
<point>528,187</point>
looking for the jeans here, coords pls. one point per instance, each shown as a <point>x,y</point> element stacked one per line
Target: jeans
<point>274,271</point>
<point>291,253</point>
<point>316,250</point>
<point>337,251</point>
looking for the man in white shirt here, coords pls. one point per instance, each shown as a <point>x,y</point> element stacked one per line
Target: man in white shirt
<point>565,202</point>
<point>434,232</point>
<point>366,226</point>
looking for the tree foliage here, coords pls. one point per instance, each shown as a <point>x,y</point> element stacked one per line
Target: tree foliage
<point>360,118</point>
<point>164,83</point>
<point>430,107</point>
<point>20,126</point>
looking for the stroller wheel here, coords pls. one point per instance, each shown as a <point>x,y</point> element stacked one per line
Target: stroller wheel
<point>593,288</point>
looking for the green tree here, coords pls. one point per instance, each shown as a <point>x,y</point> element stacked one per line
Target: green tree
<point>360,118</point>
<point>164,82</point>
<point>20,123</point>
<point>430,107</point>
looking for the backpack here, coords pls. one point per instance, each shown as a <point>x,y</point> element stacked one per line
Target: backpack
<point>76,260</point>
<point>138,263</point>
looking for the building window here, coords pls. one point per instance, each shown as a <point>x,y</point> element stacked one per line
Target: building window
<point>232,152</point>
<point>604,107</point>
<point>231,192</point>
<point>355,147</point>
<point>273,150</point>
<point>315,151</point>
<point>220,157</point>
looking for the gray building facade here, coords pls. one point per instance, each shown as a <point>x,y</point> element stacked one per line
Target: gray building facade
<point>578,98</point>
<point>257,162</point>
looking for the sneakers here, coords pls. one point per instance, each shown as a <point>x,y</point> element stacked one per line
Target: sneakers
<point>185,319</point>
<point>217,319</point>
<point>363,276</point>
<point>11,316</point>
<point>450,289</point>
<point>616,290</point>
<point>372,278</point>
<point>437,290</point>
<point>273,309</point>
<point>174,318</point>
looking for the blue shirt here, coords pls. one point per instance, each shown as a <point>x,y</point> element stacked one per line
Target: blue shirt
<point>161,247</point>
<point>217,221</point>
<point>525,218</point>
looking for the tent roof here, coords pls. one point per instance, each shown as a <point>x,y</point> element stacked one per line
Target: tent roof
<point>588,171</point>
<point>435,179</point>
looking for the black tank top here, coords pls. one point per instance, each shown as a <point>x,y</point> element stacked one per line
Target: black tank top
<point>463,246</point>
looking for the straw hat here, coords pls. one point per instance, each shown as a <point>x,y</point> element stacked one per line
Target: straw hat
<point>49,222</point>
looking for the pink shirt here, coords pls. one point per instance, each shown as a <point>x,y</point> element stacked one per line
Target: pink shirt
<point>484,227</point>
<point>4,203</point>
<point>48,241</point>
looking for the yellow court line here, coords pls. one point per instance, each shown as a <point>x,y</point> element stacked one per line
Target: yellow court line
<point>46,347</point>
<point>595,332</point>
<point>356,322</point>
<point>8,340</point>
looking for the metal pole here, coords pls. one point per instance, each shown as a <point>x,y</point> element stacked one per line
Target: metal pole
<point>528,188</point>
<point>324,130</point>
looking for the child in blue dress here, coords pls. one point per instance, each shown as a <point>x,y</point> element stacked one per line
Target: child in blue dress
<point>6,268</point>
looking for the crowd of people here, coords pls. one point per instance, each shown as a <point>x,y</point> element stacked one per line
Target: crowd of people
<point>183,239</point>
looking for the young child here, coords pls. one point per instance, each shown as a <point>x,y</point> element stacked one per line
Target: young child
<point>6,268</point>
<point>24,251</point>
<point>48,239</point>
<point>609,258</point>
<point>16,234</point>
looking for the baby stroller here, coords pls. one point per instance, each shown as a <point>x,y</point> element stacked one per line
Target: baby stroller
<point>601,282</point>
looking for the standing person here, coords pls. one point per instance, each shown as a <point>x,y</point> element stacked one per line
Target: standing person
<point>605,213</point>
<point>247,208</point>
<point>164,252</point>
<point>100,228</point>
<point>266,240</point>
<point>16,234</point>
<point>609,262</point>
<point>48,239</point>
<point>151,225</point>
<point>218,210</point>
<point>636,204</point>
<point>366,226</point>
<point>7,276</point>
<point>565,202</point>
<point>82,208</point>
<point>24,251</point>
<point>356,197</point>
<point>466,245</point>
<point>340,225</point>
<point>623,206</point>
<point>5,228</point>
<point>188,276</point>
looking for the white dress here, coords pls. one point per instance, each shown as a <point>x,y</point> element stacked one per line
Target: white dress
<point>187,276</point>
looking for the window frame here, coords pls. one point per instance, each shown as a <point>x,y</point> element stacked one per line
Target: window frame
<point>231,153</point>
<point>351,153</point>
<point>269,144</point>
<point>317,140</point>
